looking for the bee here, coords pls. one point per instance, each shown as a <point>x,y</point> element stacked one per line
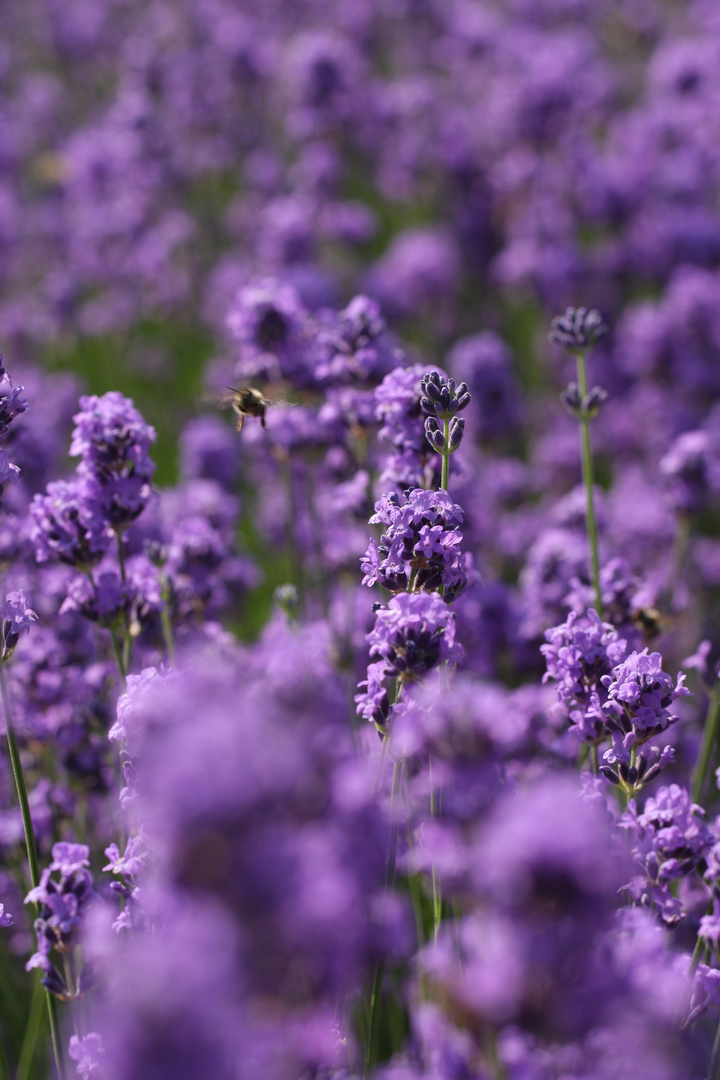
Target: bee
<point>248,401</point>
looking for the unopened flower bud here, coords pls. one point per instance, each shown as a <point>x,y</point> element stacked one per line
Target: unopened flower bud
<point>571,399</point>
<point>578,329</point>
<point>457,429</point>
<point>591,402</point>
<point>442,398</point>
<point>434,435</point>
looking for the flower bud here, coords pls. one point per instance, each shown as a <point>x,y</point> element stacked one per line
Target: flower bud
<point>578,329</point>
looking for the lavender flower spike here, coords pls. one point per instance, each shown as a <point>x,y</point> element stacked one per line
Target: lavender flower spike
<point>16,616</point>
<point>639,692</point>
<point>578,329</point>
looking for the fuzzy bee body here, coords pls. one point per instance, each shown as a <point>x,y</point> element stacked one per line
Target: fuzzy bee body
<point>248,401</point>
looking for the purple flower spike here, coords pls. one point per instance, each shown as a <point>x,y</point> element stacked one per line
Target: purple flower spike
<point>6,918</point>
<point>12,401</point>
<point>16,616</point>
<point>422,541</point>
<point>639,691</point>
<point>413,634</point>
<point>113,442</point>
<point>67,858</point>
<point>68,524</point>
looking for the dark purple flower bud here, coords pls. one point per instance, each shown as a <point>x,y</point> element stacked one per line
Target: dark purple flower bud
<point>571,399</point>
<point>592,402</point>
<point>457,430</point>
<point>609,774</point>
<point>16,616</point>
<point>441,397</point>
<point>53,981</point>
<point>433,434</point>
<point>578,328</point>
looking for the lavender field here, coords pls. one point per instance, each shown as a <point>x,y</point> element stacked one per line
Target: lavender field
<point>360,540</point>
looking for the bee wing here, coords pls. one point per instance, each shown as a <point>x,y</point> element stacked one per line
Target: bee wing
<point>278,403</point>
<point>222,400</point>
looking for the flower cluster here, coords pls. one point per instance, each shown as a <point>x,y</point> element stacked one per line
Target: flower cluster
<point>669,842</point>
<point>420,548</point>
<point>62,910</point>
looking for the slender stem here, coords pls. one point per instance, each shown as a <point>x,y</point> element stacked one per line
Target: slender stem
<point>127,637</point>
<point>19,778</point>
<point>117,652</point>
<point>376,991</point>
<point>709,739</point>
<point>167,632</point>
<point>445,474</point>
<point>121,558</point>
<point>4,1070</point>
<point>30,847</point>
<point>33,1030</point>
<point>589,482</point>
<point>119,658</point>
<point>436,886</point>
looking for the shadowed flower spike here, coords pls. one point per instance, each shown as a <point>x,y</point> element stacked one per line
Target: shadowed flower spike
<point>12,401</point>
<point>413,634</point>
<point>68,525</point>
<point>16,616</point>
<point>577,329</point>
<point>113,442</point>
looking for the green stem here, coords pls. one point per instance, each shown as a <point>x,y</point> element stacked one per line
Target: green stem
<point>167,632</point>
<point>30,847</point>
<point>33,1030</point>
<point>708,741</point>
<point>445,474</point>
<point>376,992</point>
<point>127,637</point>
<point>436,886</point>
<point>119,658</point>
<point>589,482</point>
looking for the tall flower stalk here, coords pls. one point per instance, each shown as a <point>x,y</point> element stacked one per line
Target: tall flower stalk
<point>17,617</point>
<point>577,331</point>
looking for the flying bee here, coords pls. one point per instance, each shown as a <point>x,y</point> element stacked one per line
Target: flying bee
<point>248,401</point>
